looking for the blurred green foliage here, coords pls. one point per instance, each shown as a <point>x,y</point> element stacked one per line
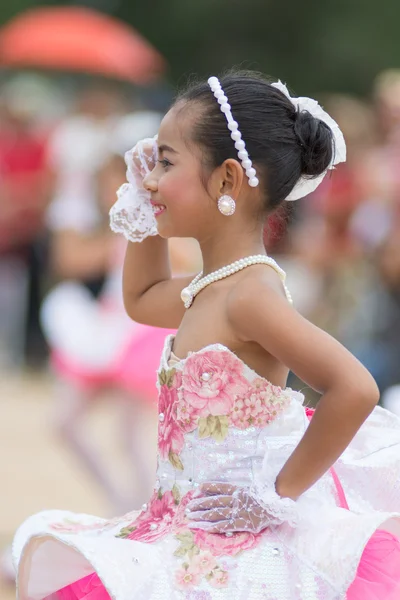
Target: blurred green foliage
<point>316,46</point>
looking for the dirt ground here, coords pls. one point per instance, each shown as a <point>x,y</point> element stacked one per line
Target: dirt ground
<point>37,471</point>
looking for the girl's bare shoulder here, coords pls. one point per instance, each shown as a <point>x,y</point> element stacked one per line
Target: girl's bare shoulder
<point>258,311</point>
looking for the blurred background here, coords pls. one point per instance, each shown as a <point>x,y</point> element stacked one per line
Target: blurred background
<point>79,85</point>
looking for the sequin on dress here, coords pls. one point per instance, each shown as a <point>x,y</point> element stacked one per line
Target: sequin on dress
<point>221,422</point>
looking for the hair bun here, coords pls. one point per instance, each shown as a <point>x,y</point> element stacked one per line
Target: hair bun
<point>316,141</point>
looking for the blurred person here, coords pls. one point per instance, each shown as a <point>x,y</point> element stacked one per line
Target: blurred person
<point>27,109</point>
<point>376,224</point>
<point>329,244</point>
<point>24,195</point>
<point>381,174</point>
<point>251,485</point>
<point>388,263</point>
<point>386,95</point>
<point>78,147</point>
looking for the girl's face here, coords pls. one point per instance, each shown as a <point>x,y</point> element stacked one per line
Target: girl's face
<point>183,207</point>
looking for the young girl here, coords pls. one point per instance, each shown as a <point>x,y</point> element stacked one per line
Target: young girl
<point>247,502</point>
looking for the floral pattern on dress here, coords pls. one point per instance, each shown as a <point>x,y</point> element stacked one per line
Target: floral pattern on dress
<point>205,555</point>
<point>170,434</point>
<point>260,405</point>
<point>210,382</point>
<point>202,553</point>
<point>197,564</point>
<point>211,394</point>
<point>220,544</point>
<point>156,520</point>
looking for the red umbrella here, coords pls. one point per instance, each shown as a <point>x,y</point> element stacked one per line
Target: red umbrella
<point>78,39</point>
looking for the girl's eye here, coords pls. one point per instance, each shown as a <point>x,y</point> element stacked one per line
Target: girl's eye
<point>165,163</point>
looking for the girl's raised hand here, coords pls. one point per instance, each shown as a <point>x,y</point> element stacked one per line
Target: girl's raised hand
<point>132,214</point>
<point>142,159</point>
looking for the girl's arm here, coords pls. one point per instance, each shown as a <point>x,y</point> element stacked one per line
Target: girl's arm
<point>260,314</point>
<point>151,295</point>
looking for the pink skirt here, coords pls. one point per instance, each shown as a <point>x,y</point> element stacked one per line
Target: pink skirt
<point>134,368</point>
<point>378,575</point>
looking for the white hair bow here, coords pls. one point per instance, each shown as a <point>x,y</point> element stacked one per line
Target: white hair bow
<point>307,184</point>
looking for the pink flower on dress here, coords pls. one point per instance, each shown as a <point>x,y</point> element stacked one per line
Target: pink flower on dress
<point>180,519</point>
<point>219,579</point>
<point>170,435</point>
<point>221,545</point>
<point>211,380</point>
<point>156,521</point>
<point>186,578</point>
<point>187,415</point>
<point>239,417</point>
<point>260,406</point>
<point>254,405</point>
<point>204,562</point>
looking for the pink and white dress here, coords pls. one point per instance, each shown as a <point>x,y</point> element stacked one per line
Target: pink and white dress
<point>95,344</point>
<point>220,422</point>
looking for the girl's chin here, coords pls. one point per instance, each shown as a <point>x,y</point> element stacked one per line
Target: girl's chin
<point>167,227</point>
<point>167,230</point>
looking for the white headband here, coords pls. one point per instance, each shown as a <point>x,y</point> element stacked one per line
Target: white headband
<point>233,126</point>
<point>305,184</point>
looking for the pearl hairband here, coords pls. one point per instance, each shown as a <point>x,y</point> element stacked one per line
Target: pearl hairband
<point>233,126</point>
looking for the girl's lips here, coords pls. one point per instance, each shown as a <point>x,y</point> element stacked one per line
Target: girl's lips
<point>158,208</point>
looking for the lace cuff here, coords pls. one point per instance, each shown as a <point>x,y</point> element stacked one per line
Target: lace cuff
<point>280,510</point>
<point>132,214</point>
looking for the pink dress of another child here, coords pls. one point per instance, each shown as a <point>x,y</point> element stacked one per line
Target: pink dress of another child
<point>95,344</point>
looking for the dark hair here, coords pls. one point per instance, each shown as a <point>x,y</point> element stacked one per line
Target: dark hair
<point>283,144</point>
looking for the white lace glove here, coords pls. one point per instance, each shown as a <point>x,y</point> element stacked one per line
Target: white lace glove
<point>223,508</point>
<point>132,214</point>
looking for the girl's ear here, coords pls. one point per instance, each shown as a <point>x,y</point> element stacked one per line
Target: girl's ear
<point>228,179</point>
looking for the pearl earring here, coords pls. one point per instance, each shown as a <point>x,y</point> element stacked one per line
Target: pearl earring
<point>226,205</point>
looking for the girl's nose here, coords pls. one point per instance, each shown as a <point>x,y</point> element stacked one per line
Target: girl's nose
<point>150,181</point>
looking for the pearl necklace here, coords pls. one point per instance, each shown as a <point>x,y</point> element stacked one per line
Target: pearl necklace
<point>189,293</point>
